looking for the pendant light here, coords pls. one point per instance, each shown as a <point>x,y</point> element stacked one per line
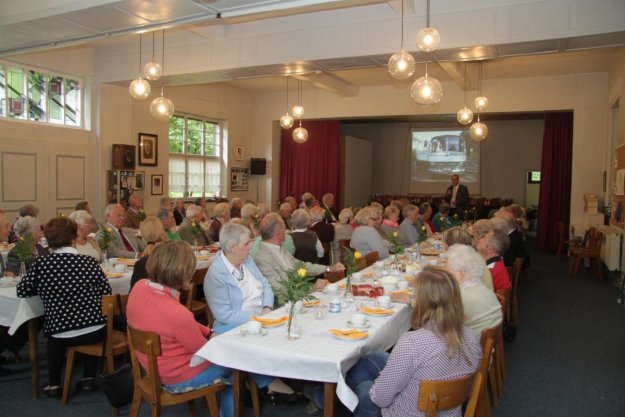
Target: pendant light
<point>139,88</point>
<point>465,115</point>
<point>298,110</point>
<point>300,134</point>
<point>478,130</point>
<point>162,108</point>
<point>401,65</point>
<point>286,121</point>
<point>426,90</point>
<point>152,70</point>
<point>428,38</point>
<point>481,101</point>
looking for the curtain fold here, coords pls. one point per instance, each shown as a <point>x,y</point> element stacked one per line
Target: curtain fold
<point>311,166</point>
<point>554,201</point>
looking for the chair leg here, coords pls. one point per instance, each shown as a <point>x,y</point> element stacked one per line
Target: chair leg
<point>114,411</point>
<point>69,366</point>
<point>560,247</point>
<point>254,392</point>
<point>192,409</point>
<point>136,401</point>
<point>578,260</point>
<point>156,410</point>
<point>572,263</point>
<point>211,403</point>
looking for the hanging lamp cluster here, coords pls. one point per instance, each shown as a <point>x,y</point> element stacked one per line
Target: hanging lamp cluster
<point>161,108</point>
<point>300,134</point>
<point>479,130</point>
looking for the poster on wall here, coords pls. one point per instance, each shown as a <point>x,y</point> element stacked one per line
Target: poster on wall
<point>239,179</point>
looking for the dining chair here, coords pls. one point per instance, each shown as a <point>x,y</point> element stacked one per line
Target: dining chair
<point>563,240</point>
<point>198,308</point>
<point>591,251</point>
<point>334,276</point>
<point>114,344</point>
<point>372,257</point>
<point>442,395</point>
<point>496,371</point>
<point>517,268</point>
<point>361,263</point>
<point>504,297</point>
<point>483,403</point>
<point>148,384</point>
<point>343,243</point>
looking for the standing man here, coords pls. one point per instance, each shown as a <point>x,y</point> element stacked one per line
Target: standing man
<point>457,196</point>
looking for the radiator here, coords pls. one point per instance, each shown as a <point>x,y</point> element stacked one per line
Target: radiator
<point>612,247</point>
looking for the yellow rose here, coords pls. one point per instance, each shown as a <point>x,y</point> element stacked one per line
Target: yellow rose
<point>423,228</point>
<point>357,255</point>
<point>193,224</point>
<point>394,234</point>
<point>108,229</point>
<point>302,272</point>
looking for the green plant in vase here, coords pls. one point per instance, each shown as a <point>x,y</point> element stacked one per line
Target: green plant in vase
<point>196,229</point>
<point>295,288</point>
<point>24,248</point>
<point>396,247</point>
<point>106,238</point>
<point>350,261</point>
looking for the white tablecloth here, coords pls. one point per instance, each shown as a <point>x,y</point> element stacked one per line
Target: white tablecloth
<point>316,355</point>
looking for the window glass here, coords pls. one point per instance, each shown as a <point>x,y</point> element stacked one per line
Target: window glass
<point>3,97</point>
<point>36,85</point>
<point>55,100</point>
<point>16,103</point>
<point>73,102</point>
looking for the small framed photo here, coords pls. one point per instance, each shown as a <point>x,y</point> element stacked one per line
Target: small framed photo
<point>239,156</point>
<point>148,149</point>
<point>157,185</point>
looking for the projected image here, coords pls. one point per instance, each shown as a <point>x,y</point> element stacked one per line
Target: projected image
<point>436,155</point>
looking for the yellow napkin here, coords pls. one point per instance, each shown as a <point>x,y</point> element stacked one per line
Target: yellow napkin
<point>271,321</point>
<point>126,260</point>
<point>369,274</point>
<point>202,257</point>
<point>349,334</point>
<point>114,275</point>
<point>404,291</point>
<point>342,286</point>
<point>376,311</point>
<point>311,303</point>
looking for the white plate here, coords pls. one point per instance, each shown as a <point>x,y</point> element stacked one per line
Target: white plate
<point>245,332</point>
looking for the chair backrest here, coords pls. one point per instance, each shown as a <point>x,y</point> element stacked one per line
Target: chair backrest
<point>504,297</point>
<point>196,279</point>
<point>595,241</point>
<point>327,254</point>
<point>342,244</point>
<point>148,343</point>
<point>372,257</point>
<point>492,332</point>
<point>334,276</point>
<point>442,395</point>
<point>110,309</point>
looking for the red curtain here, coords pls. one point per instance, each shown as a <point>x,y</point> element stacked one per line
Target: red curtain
<point>554,201</point>
<point>313,165</point>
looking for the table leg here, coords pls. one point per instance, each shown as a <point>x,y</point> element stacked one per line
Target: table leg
<point>236,391</point>
<point>329,388</point>
<point>32,347</point>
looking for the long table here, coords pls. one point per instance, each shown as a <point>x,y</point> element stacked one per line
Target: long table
<point>316,356</point>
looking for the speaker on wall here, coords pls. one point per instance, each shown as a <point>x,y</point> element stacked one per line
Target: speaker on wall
<point>258,166</point>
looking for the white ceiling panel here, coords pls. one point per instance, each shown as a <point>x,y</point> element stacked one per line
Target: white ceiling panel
<point>105,19</point>
<point>54,29</point>
<point>159,10</point>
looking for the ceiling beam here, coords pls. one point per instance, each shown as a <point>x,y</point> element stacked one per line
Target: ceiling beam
<point>330,83</point>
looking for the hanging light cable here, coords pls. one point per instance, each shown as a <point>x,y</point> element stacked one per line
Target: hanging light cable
<point>481,102</point>
<point>139,88</point>
<point>426,90</point>
<point>428,38</point>
<point>298,110</point>
<point>286,121</point>
<point>401,65</point>
<point>153,70</point>
<point>162,108</point>
<point>465,115</point>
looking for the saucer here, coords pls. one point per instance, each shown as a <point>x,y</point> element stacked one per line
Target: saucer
<point>366,325</point>
<point>330,292</point>
<point>245,332</point>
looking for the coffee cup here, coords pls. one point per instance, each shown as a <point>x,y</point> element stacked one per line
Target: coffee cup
<point>384,301</point>
<point>332,288</point>
<point>402,285</point>
<point>121,268</point>
<point>254,326</point>
<point>358,320</point>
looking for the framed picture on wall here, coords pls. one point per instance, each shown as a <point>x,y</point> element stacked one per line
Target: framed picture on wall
<point>239,179</point>
<point>157,185</point>
<point>148,149</point>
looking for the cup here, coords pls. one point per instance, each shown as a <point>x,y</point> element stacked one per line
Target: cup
<point>254,326</point>
<point>402,285</point>
<point>332,288</point>
<point>121,268</point>
<point>358,320</point>
<point>384,301</point>
<point>204,252</point>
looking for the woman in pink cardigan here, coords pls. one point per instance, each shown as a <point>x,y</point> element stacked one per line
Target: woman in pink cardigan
<point>154,306</point>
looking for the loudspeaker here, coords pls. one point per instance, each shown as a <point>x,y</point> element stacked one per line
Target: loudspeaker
<point>258,166</point>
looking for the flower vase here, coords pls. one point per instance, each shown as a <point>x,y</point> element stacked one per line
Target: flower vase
<point>105,260</point>
<point>395,262</point>
<point>195,248</point>
<point>22,270</point>
<point>292,330</point>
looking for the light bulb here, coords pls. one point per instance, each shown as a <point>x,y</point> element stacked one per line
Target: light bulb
<point>426,90</point>
<point>464,116</point>
<point>401,65</point>
<point>478,131</point>
<point>161,108</point>
<point>152,71</point>
<point>300,135</point>
<point>481,102</point>
<point>286,121</point>
<point>139,89</point>
<point>298,111</point>
<point>428,39</point>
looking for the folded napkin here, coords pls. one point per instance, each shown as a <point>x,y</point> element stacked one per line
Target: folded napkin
<point>271,321</point>
<point>202,257</point>
<point>126,260</point>
<point>376,311</point>
<point>349,334</point>
<point>342,286</point>
<point>311,303</point>
<point>369,274</point>
<point>404,291</point>
<point>114,275</point>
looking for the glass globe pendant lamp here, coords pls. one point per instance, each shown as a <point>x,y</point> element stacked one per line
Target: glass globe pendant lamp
<point>478,131</point>
<point>401,65</point>
<point>426,90</point>
<point>464,116</point>
<point>481,102</point>
<point>162,108</point>
<point>286,121</point>
<point>428,38</point>
<point>298,110</point>
<point>139,88</point>
<point>300,134</point>
<point>152,70</point>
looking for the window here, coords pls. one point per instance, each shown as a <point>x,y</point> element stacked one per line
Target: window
<point>28,94</point>
<point>194,157</point>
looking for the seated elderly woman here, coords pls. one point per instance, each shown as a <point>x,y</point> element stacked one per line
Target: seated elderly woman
<point>221,216</point>
<point>248,213</point>
<point>308,248</point>
<point>365,238</point>
<point>166,216</point>
<point>389,221</point>
<point>86,244</point>
<point>482,309</point>
<point>441,220</point>
<point>71,287</point>
<point>153,232</point>
<point>23,227</point>
<point>342,231</point>
<point>457,235</point>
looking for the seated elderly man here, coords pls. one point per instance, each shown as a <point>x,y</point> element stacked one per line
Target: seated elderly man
<point>442,220</point>
<point>166,216</point>
<point>221,216</point>
<point>125,244</point>
<point>135,212</point>
<point>191,230</point>
<point>308,201</point>
<point>482,309</point>
<point>235,207</point>
<point>285,212</point>
<point>366,238</point>
<point>490,247</point>
<point>308,248</point>
<point>275,262</point>
<point>425,212</point>
<point>458,236</point>
<point>324,231</point>
<point>517,244</point>
<point>330,214</point>
<point>410,227</point>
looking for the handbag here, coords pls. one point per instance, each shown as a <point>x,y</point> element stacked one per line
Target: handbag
<point>118,386</point>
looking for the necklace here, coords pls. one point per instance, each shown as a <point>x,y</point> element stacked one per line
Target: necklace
<point>240,275</point>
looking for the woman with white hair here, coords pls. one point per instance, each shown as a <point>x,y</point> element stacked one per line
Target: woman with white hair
<point>23,227</point>
<point>308,248</point>
<point>248,213</point>
<point>221,216</point>
<point>481,306</point>
<point>366,238</point>
<point>86,244</point>
<point>342,231</point>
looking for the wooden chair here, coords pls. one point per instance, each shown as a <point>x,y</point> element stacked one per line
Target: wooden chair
<point>361,263</point>
<point>148,385</point>
<point>334,276</point>
<point>372,257</point>
<point>517,268</point>
<point>496,372</point>
<point>198,308</point>
<point>442,395</point>
<point>114,344</point>
<point>343,243</point>
<point>504,297</point>
<point>327,254</point>
<point>592,251</point>
<point>563,240</point>
<point>483,402</point>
